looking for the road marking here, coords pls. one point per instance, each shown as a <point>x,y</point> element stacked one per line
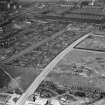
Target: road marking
<point>46,71</point>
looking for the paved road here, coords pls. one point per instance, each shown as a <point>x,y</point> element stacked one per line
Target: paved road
<point>46,71</point>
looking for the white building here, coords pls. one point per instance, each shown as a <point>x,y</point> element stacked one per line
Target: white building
<point>55,102</point>
<point>11,100</point>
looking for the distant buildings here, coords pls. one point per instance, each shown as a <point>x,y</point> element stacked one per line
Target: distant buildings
<point>8,4</point>
<point>81,10</point>
<point>8,99</point>
<point>87,13</point>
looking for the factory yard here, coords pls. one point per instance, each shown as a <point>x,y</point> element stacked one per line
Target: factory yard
<point>52,53</point>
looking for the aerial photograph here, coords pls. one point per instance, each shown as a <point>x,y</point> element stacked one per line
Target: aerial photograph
<point>52,52</point>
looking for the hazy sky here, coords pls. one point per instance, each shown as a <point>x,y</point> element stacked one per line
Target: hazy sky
<point>45,0</point>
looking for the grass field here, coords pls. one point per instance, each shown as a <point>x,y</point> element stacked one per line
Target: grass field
<point>80,68</point>
<point>93,43</point>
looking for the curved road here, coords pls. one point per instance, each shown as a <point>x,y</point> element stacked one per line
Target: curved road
<point>46,71</point>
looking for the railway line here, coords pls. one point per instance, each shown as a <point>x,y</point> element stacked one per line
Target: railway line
<point>70,18</point>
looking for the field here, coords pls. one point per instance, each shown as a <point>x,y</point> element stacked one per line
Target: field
<point>79,71</point>
<point>29,44</point>
<point>28,35</point>
<point>80,66</point>
<point>96,43</point>
<point>34,62</point>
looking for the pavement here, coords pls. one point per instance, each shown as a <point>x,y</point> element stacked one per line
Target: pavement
<point>92,59</point>
<point>47,70</point>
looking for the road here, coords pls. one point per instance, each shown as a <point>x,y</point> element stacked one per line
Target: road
<point>46,71</point>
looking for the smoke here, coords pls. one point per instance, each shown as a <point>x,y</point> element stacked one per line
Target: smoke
<point>14,84</point>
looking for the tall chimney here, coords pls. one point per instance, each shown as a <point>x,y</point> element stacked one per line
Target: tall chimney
<point>93,1</point>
